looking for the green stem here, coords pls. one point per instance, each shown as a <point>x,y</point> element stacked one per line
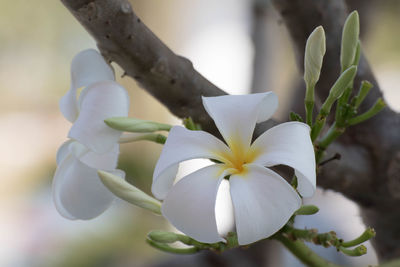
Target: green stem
<point>365,236</point>
<point>356,252</point>
<point>333,133</point>
<point>318,126</point>
<point>304,253</point>
<point>362,93</point>
<point>376,108</point>
<point>309,111</point>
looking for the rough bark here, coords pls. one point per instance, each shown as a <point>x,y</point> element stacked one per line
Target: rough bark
<point>369,170</point>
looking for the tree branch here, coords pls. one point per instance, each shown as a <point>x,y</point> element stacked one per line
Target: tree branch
<point>123,38</point>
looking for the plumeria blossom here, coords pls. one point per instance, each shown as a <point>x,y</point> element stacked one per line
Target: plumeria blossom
<point>262,200</point>
<point>77,190</point>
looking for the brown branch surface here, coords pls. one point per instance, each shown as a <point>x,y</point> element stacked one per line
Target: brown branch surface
<point>369,170</point>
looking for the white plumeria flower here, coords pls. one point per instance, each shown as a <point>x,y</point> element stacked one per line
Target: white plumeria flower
<point>77,190</point>
<point>262,200</point>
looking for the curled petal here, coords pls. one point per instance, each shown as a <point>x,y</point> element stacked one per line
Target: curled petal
<point>263,203</point>
<point>181,145</point>
<point>63,151</point>
<point>105,161</point>
<point>237,115</point>
<point>97,102</point>
<point>190,204</point>
<point>87,67</point>
<point>69,105</point>
<point>78,192</point>
<point>289,144</point>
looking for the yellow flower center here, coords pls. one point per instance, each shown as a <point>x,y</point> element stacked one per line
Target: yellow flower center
<point>238,155</point>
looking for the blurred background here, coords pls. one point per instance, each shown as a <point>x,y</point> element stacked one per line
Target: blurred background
<point>38,40</point>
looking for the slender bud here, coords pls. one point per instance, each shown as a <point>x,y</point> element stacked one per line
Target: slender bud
<point>358,54</point>
<point>163,237</point>
<point>307,210</point>
<point>350,40</point>
<point>314,54</point>
<point>136,125</point>
<point>338,88</point>
<point>129,193</point>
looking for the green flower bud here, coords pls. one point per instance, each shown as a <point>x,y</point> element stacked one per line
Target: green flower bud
<point>163,237</point>
<point>129,193</point>
<point>350,39</point>
<point>136,125</point>
<point>307,210</point>
<point>314,54</point>
<point>338,88</point>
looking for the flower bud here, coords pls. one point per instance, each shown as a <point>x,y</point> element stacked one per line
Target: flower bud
<point>314,54</point>
<point>129,193</point>
<point>338,88</point>
<point>136,125</point>
<point>163,237</point>
<point>350,39</point>
<point>307,210</point>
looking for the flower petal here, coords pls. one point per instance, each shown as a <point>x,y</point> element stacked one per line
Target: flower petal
<point>289,144</point>
<point>104,161</point>
<point>63,151</point>
<point>236,115</point>
<point>87,67</point>
<point>190,204</point>
<point>263,202</point>
<point>183,144</point>
<point>78,192</point>
<point>98,102</point>
<point>69,105</point>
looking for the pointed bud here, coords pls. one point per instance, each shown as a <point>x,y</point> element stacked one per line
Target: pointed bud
<point>307,210</point>
<point>338,88</point>
<point>163,237</point>
<point>350,40</point>
<point>136,125</point>
<point>314,54</point>
<point>129,193</point>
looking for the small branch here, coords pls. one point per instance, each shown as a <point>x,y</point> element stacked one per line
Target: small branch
<point>304,253</point>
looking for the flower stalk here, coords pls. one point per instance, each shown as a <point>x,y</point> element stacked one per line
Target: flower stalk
<point>375,109</point>
<point>336,91</point>
<point>365,87</point>
<point>365,236</point>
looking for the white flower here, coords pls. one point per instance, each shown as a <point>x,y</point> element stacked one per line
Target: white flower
<point>263,201</point>
<point>77,190</point>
